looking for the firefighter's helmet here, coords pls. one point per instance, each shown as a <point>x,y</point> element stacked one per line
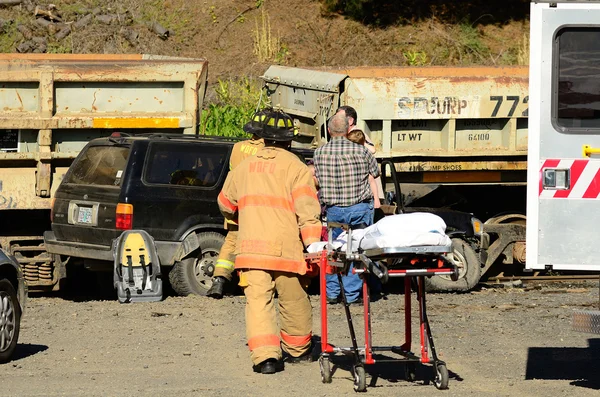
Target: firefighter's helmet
<point>277,126</point>
<point>255,125</point>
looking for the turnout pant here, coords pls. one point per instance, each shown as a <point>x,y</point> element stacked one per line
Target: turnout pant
<point>265,339</point>
<point>226,261</point>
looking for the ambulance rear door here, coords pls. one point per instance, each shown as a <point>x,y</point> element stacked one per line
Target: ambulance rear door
<point>563,206</point>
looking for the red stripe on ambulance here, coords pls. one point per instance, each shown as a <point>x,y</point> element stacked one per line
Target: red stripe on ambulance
<point>584,179</point>
<point>547,164</point>
<point>576,170</point>
<point>594,189</point>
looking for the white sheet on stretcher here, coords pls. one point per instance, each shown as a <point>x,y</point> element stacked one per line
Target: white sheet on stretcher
<point>403,230</point>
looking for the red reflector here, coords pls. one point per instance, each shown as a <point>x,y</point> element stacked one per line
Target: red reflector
<point>124,218</point>
<point>115,135</point>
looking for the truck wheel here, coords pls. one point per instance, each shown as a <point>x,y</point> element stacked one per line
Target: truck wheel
<point>10,320</point>
<point>193,275</point>
<point>469,270</point>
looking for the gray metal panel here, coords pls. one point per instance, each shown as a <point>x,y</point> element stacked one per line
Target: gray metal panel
<point>19,97</point>
<point>569,232</point>
<point>587,321</point>
<point>555,144</point>
<point>145,97</point>
<point>567,227</point>
<point>304,78</point>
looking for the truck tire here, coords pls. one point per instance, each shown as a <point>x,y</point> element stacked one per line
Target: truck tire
<point>10,320</point>
<point>193,275</point>
<point>469,270</point>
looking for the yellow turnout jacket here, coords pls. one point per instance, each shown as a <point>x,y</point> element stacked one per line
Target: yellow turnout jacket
<point>274,196</point>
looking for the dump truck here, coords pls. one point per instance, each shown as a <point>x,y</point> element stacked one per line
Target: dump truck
<point>457,138</point>
<point>51,106</point>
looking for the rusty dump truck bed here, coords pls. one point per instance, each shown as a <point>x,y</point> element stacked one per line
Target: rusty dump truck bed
<point>431,118</point>
<point>51,105</point>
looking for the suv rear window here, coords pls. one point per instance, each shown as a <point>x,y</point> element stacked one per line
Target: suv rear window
<point>99,165</point>
<point>185,164</point>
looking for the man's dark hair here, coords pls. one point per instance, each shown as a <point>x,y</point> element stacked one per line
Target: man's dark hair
<point>349,111</point>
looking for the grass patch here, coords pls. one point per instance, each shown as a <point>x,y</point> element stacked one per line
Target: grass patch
<point>268,46</point>
<point>9,37</point>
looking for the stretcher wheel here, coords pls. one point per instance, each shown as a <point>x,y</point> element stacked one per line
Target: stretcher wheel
<point>441,377</point>
<point>360,378</point>
<point>325,367</point>
<point>410,372</point>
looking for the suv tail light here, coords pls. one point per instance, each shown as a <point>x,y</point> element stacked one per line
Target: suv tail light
<point>124,218</point>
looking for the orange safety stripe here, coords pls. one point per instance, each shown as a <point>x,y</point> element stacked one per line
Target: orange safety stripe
<point>248,261</point>
<point>263,200</point>
<point>311,233</point>
<point>226,203</point>
<point>296,340</point>
<point>263,340</point>
<point>305,190</point>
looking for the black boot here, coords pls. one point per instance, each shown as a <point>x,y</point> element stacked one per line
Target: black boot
<point>307,357</point>
<point>218,285</point>
<point>269,366</point>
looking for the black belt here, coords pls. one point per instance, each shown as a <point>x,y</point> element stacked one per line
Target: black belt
<point>365,201</point>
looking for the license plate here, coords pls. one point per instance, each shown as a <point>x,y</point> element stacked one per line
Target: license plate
<point>84,215</point>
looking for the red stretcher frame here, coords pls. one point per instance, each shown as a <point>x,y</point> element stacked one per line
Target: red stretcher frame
<point>419,262</point>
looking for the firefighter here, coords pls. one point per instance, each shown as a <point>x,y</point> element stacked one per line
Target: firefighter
<point>225,263</point>
<point>275,199</point>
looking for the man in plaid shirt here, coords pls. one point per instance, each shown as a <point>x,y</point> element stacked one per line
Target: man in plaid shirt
<point>342,169</point>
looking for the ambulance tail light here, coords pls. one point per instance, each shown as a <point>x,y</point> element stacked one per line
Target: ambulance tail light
<point>124,218</point>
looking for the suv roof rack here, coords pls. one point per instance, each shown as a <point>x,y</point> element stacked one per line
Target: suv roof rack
<point>161,135</point>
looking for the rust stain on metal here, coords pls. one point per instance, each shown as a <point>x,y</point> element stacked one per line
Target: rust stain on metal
<point>437,71</point>
<point>20,100</point>
<point>94,102</point>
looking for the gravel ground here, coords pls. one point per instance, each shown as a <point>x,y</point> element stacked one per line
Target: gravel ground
<point>496,342</point>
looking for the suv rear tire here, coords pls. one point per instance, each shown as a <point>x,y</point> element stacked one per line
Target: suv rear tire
<point>193,275</point>
<point>469,270</point>
<point>10,320</point>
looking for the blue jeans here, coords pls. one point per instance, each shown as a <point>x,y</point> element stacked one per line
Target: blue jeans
<point>353,216</point>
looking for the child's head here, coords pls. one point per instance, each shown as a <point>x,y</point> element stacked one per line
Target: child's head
<point>357,136</point>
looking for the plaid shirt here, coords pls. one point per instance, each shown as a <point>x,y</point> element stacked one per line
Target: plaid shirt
<point>342,168</point>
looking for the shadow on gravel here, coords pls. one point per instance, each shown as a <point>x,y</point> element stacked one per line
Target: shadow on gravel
<point>579,364</point>
<point>25,350</point>
<point>392,372</point>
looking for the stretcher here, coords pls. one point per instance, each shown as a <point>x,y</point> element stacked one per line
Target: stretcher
<point>413,263</point>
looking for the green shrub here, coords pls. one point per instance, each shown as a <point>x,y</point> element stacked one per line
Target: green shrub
<point>234,106</point>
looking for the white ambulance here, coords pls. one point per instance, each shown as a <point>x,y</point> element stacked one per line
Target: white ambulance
<point>563,166</point>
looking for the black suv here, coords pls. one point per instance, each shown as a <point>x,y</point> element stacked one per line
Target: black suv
<point>164,184</point>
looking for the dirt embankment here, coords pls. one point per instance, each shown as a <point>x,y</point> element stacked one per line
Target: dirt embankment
<point>240,39</point>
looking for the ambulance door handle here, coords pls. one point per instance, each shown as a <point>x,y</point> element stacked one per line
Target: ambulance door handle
<point>587,151</point>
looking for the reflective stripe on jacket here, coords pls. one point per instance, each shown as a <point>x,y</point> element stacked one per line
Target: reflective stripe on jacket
<point>278,210</point>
